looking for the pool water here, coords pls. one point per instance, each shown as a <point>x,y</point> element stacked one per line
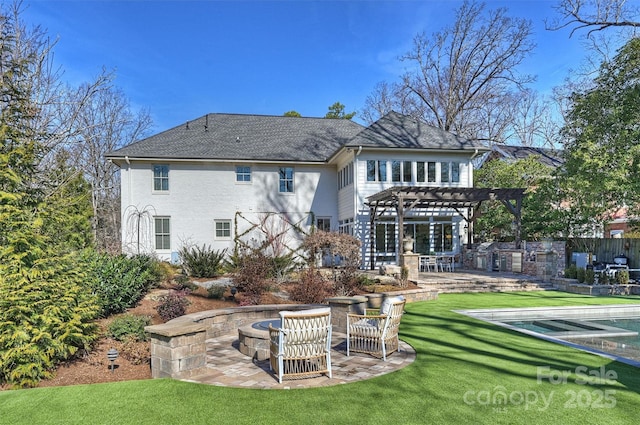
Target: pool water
<point>612,331</point>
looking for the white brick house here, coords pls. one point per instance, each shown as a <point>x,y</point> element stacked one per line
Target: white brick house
<point>211,180</point>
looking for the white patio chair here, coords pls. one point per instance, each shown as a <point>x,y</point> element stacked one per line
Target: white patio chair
<point>376,334</point>
<point>427,264</point>
<point>301,347</point>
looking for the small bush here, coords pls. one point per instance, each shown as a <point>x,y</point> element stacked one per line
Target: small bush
<point>183,282</point>
<point>119,282</point>
<point>252,277</point>
<point>589,277</point>
<point>129,326</point>
<point>312,288</point>
<point>580,275</point>
<point>202,262</point>
<point>622,277</point>
<point>172,305</point>
<point>216,292</point>
<point>603,278</point>
<point>571,272</point>
<point>137,352</point>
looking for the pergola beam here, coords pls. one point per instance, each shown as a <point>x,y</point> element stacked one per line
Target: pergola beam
<point>406,198</point>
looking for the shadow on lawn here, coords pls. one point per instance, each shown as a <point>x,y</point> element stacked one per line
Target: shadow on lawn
<point>489,347</point>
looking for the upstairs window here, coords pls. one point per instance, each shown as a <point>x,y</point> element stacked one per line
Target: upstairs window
<point>420,172</point>
<point>455,172</point>
<point>376,171</point>
<point>407,174</point>
<point>243,174</point>
<point>286,179</point>
<point>444,172</point>
<point>431,172</point>
<point>395,171</point>
<point>160,178</point>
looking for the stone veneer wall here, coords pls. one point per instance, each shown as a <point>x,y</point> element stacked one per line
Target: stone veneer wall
<point>178,347</point>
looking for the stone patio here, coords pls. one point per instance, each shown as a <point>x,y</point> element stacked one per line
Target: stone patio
<point>228,367</point>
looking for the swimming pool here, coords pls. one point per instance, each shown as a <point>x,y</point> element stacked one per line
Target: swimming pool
<point>611,331</point>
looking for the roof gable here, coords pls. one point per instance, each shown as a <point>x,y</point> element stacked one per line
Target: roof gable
<point>395,130</point>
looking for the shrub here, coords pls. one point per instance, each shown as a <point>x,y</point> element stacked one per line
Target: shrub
<point>282,266</point>
<point>312,288</point>
<point>183,282</point>
<point>46,316</point>
<point>137,352</point>
<point>589,277</point>
<point>172,305</point>
<point>603,278</point>
<point>571,272</point>
<point>201,262</point>
<point>580,275</point>
<point>622,277</point>
<point>119,281</point>
<point>216,292</point>
<point>252,276</point>
<point>129,326</point>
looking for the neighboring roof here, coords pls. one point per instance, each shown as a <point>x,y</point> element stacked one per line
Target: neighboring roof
<point>550,157</point>
<point>395,130</point>
<point>246,137</point>
<point>280,138</point>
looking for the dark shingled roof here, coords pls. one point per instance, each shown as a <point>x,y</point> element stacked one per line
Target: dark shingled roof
<point>550,157</point>
<point>246,137</point>
<point>280,138</point>
<point>395,130</point>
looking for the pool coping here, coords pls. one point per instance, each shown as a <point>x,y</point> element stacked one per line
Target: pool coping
<point>498,316</point>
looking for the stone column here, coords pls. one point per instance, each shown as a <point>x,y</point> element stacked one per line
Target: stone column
<point>178,350</point>
<point>340,306</point>
<point>547,266</point>
<point>412,262</point>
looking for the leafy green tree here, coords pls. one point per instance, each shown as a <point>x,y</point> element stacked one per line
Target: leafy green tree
<point>292,114</point>
<point>336,111</point>
<point>46,313</point>
<point>540,205</point>
<point>602,148</point>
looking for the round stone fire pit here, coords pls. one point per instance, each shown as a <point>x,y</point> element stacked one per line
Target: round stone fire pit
<point>254,338</point>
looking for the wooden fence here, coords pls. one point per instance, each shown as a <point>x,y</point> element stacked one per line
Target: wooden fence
<point>606,249</point>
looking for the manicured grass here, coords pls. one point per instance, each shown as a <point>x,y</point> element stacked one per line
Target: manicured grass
<point>462,365</point>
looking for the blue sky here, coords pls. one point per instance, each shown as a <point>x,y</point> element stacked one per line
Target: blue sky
<point>183,59</point>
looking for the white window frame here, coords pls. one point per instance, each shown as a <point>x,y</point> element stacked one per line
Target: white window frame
<point>242,172</point>
<point>286,180</point>
<point>164,233</point>
<point>158,177</point>
<point>217,231</point>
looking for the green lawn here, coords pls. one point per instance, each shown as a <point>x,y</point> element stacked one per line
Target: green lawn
<point>461,366</point>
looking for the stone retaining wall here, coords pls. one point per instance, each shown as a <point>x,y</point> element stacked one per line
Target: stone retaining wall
<point>178,347</point>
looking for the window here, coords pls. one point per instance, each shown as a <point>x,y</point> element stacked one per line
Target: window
<point>160,177</point>
<point>223,229</point>
<point>407,174</point>
<point>162,233</point>
<point>431,172</point>
<point>324,224</point>
<point>455,172</point>
<point>345,176</point>
<point>386,237</point>
<point>442,237</point>
<point>395,171</point>
<point>444,172</point>
<point>243,174</point>
<point>420,172</point>
<point>376,171</point>
<point>346,226</point>
<point>286,179</point>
